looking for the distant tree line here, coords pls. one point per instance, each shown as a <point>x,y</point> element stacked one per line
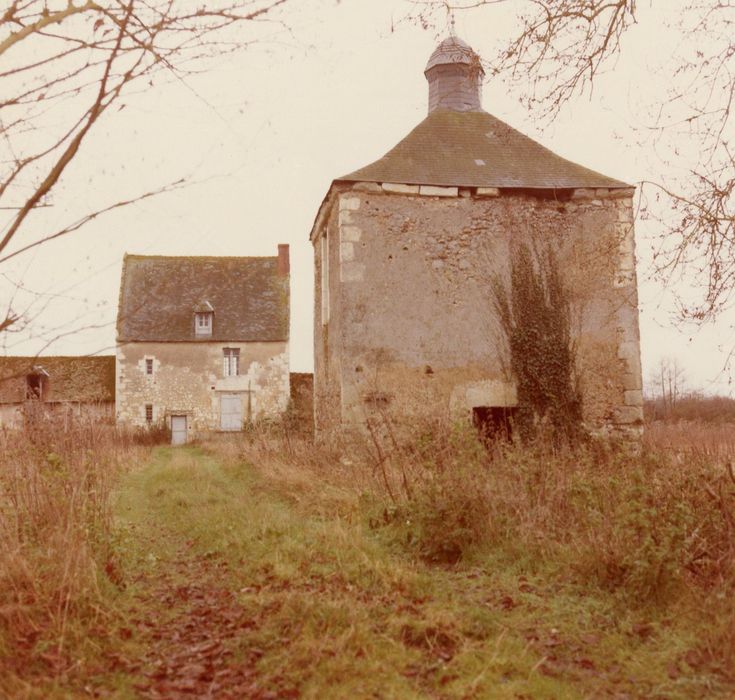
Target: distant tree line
<point>690,406</point>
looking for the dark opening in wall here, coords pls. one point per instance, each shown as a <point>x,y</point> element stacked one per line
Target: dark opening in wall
<point>494,422</point>
<point>35,385</point>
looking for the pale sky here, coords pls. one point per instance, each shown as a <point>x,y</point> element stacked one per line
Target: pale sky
<point>262,134</point>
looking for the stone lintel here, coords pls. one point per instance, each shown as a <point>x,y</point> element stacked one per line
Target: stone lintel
<point>398,188</point>
<point>621,193</point>
<point>488,192</point>
<point>432,191</point>
<point>603,193</point>
<point>583,193</point>
<point>367,187</point>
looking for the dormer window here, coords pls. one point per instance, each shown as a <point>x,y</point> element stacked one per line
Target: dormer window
<point>203,319</point>
<point>204,324</point>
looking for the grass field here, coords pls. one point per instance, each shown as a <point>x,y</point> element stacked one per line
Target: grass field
<point>267,568</point>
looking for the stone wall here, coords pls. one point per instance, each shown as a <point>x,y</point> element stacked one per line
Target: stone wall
<point>63,413</point>
<point>411,323</point>
<point>188,380</point>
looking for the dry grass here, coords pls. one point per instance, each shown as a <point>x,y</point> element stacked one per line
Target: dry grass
<point>55,553</point>
<point>652,526</point>
<point>692,438</point>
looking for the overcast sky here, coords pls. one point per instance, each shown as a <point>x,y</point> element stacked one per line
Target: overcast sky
<point>262,134</point>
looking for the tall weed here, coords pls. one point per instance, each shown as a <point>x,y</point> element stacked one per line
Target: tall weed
<point>56,559</point>
<point>652,526</point>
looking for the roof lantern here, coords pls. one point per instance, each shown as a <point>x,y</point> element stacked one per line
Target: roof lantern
<point>455,74</point>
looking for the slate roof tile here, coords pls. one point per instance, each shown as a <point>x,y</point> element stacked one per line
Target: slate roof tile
<point>475,149</point>
<point>159,294</point>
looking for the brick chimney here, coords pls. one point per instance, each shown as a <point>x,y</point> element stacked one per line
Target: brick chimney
<point>283,266</point>
<point>455,74</point>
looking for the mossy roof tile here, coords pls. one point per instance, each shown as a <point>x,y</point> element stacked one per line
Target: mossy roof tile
<point>159,295</point>
<point>70,378</point>
<point>475,149</point>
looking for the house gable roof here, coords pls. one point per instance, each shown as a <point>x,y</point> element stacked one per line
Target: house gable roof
<point>69,378</point>
<point>475,149</point>
<point>159,295</point>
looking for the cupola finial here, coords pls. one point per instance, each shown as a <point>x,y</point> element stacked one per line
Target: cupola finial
<point>455,74</point>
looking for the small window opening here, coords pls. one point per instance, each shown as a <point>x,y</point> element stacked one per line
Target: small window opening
<point>231,360</point>
<point>494,423</point>
<point>148,365</point>
<point>149,413</point>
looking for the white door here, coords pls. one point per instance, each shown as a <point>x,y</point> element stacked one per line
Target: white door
<point>178,430</point>
<point>231,412</point>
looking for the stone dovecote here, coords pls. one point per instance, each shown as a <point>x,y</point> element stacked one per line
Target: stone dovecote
<point>405,249</point>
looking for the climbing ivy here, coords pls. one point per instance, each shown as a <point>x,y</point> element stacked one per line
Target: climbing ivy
<point>535,315</point>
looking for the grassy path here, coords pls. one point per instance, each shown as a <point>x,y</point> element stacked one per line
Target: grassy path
<point>239,585</point>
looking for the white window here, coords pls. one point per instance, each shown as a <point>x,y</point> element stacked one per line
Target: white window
<point>149,365</point>
<point>231,359</point>
<point>203,323</point>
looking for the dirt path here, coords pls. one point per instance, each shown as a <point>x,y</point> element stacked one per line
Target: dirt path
<point>182,631</point>
<point>188,652</point>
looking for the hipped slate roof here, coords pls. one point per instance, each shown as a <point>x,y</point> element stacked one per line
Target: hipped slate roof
<point>475,149</point>
<point>158,297</point>
<point>70,378</point>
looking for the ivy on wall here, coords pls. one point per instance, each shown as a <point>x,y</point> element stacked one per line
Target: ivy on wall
<point>535,315</point>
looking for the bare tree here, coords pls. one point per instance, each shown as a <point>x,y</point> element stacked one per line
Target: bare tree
<point>561,46</point>
<point>65,64</point>
<point>668,384</point>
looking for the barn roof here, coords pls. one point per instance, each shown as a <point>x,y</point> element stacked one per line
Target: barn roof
<point>159,295</point>
<point>475,149</point>
<point>70,378</point>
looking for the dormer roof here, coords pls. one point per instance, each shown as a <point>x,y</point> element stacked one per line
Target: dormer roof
<point>203,307</point>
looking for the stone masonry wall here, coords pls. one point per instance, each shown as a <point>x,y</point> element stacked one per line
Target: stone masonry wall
<point>188,380</point>
<point>410,271</point>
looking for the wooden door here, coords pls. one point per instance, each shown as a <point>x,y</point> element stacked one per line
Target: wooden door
<point>178,430</point>
<point>231,412</point>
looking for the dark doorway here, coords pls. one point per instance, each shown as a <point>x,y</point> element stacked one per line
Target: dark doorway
<point>35,385</point>
<point>494,422</point>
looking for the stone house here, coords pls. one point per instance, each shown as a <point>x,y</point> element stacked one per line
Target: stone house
<point>405,250</point>
<point>63,387</point>
<point>202,342</point>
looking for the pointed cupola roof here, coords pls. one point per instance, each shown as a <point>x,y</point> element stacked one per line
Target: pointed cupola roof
<point>461,145</point>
